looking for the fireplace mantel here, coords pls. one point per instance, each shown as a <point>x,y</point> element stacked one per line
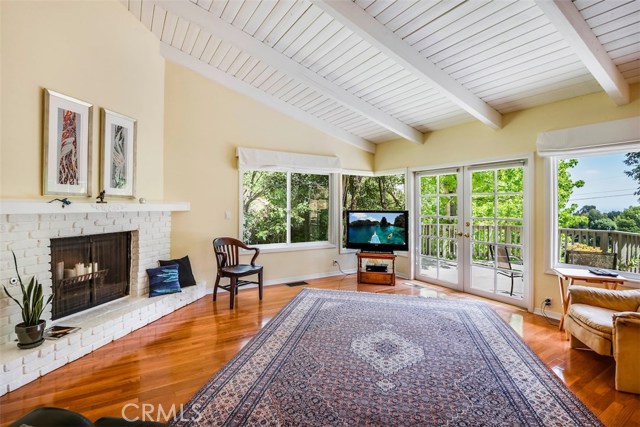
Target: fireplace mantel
<point>8,207</point>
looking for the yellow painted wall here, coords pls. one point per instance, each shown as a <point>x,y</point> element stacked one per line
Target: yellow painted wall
<point>95,51</point>
<point>474,141</point>
<point>205,123</point>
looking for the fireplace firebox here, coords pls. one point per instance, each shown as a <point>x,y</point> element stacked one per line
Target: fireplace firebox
<point>88,271</point>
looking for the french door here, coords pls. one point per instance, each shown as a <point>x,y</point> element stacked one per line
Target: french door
<point>472,230</point>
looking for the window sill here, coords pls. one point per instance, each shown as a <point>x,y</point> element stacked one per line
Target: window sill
<point>267,249</point>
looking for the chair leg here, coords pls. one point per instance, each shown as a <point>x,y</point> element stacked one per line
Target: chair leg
<point>511,292</point>
<point>260,285</point>
<point>232,291</point>
<point>215,288</point>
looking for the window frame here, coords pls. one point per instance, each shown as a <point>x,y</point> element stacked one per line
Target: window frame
<point>340,209</point>
<point>288,245</point>
<point>552,247</point>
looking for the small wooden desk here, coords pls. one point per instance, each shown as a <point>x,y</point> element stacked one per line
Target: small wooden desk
<point>376,277</point>
<point>570,275</point>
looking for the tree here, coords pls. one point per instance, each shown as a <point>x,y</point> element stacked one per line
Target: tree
<point>629,220</point>
<point>633,160</point>
<point>603,223</point>
<point>566,219</point>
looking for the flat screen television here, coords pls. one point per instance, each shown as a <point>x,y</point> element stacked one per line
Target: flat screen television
<point>378,231</point>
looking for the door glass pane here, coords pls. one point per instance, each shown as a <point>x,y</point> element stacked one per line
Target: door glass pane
<point>439,227</point>
<point>497,211</point>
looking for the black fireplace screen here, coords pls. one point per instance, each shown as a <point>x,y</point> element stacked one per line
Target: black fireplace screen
<point>88,271</point>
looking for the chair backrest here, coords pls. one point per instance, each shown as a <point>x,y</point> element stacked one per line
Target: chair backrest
<point>226,250</point>
<point>500,254</point>
<point>592,259</point>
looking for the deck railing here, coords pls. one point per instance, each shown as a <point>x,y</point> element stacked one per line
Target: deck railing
<point>625,244</point>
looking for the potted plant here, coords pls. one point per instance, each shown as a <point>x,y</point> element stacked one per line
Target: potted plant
<point>31,331</point>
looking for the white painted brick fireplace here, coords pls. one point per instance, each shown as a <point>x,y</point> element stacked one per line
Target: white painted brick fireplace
<point>26,228</point>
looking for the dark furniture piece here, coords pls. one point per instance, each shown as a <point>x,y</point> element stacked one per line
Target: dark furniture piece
<point>227,250</point>
<point>59,417</point>
<point>592,259</point>
<point>504,261</point>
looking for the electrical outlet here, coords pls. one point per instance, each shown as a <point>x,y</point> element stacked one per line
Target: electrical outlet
<point>335,262</point>
<point>547,301</point>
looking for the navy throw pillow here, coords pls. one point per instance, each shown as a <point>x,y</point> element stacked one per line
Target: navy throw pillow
<point>163,280</point>
<point>185,275</point>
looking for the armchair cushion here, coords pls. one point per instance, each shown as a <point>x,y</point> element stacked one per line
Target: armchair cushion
<point>627,351</point>
<point>597,318</point>
<point>628,300</point>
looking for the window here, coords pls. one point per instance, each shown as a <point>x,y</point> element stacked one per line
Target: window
<point>386,192</point>
<point>597,213</point>
<point>283,208</point>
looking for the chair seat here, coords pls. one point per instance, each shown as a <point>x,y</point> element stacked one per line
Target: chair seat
<point>599,319</point>
<point>241,270</point>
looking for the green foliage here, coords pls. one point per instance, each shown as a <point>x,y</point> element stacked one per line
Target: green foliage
<point>566,185</point>
<point>603,223</point>
<point>629,220</point>
<point>32,298</point>
<point>373,192</point>
<point>264,201</point>
<point>633,160</point>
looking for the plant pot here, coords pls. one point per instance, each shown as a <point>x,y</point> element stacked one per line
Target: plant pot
<point>30,336</point>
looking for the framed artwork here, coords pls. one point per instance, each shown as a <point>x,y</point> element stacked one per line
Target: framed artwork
<point>118,156</point>
<point>67,145</point>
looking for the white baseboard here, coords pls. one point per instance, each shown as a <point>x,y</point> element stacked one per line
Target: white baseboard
<point>550,314</point>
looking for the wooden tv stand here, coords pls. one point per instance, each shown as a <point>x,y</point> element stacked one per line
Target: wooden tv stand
<point>387,277</point>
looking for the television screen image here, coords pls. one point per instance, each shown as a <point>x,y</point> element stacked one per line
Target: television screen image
<point>383,231</point>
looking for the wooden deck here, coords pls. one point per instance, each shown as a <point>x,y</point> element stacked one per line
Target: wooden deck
<point>159,367</point>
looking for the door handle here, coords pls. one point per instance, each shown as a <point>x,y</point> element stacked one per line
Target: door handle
<point>466,234</point>
<point>459,234</point>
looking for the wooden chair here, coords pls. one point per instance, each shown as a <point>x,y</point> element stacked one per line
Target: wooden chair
<point>592,259</point>
<point>504,263</point>
<point>226,250</point>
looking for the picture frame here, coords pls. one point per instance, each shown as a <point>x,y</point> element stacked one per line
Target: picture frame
<point>118,154</point>
<point>68,124</point>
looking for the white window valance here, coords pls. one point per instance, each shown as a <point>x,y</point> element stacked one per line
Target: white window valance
<point>249,158</point>
<point>600,137</point>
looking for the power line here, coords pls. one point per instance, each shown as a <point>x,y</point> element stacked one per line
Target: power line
<point>606,191</point>
<point>601,197</point>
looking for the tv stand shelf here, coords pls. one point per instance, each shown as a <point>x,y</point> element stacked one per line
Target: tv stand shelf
<point>387,277</point>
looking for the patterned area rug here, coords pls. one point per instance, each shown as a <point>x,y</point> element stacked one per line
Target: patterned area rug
<point>336,358</point>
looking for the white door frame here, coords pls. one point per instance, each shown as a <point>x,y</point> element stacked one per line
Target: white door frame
<point>528,223</point>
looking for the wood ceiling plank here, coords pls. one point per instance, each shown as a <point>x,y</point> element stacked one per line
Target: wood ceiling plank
<point>331,32</point>
<point>271,57</point>
<point>216,7</point>
<point>357,56</point>
<point>221,52</point>
<point>275,15</point>
<point>381,88</point>
<point>383,39</point>
<point>146,14</point>
<point>179,57</point>
<point>421,26</point>
<point>394,10</point>
<point>135,7</point>
<point>255,72</point>
<point>577,32</point>
<point>296,32</point>
<point>378,6</point>
<point>313,109</point>
<point>263,77</point>
<point>169,30</point>
<point>288,87</point>
<point>383,77</point>
<point>229,59</point>
<point>265,7</point>
<point>630,31</point>
<point>612,15</point>
<point>246,68</point>
<point>273,79</point>
<point>278,85</point>
<point>247,10</point>
<point>311,97</point>
<point>180,34</point>
<point>309,35</point>
<point>231,10</point>
<point>412,13</point>
<point>293,15</point>
<point>364,70</point>
<point>210,49</point>
<point>494,33</point>
<point>190,39</point>
<point>240,60</point>
<point>631,19</point>
<point>157,21</point>
<point>327,54</point>
<point>311,103</point>
<point>601,7</point>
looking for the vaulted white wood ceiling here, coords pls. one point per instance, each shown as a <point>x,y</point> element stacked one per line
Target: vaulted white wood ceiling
<point>374,70</point>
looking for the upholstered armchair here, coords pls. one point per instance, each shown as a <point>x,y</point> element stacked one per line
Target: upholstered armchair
<point>608,322</point>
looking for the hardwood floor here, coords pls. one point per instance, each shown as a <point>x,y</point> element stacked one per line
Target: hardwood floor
<point>159,367</point>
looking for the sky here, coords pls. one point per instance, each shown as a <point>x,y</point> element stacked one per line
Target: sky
<point>606,185</point>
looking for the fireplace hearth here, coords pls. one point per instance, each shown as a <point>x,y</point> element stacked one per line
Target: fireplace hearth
<point>88,271</point>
